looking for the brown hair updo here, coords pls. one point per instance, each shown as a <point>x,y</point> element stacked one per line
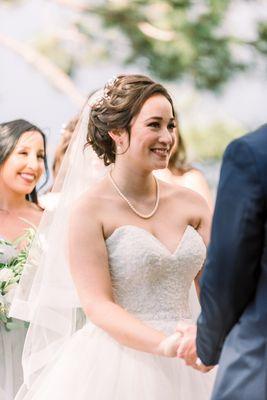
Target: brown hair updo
<point>122,100</point>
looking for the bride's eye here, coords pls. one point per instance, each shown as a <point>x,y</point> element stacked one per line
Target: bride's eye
<point>171,126</point>
<point>154,124</point>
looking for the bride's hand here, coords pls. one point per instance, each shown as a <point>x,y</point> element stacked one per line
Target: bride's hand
<point>168,347</point>
<point>186,349</point>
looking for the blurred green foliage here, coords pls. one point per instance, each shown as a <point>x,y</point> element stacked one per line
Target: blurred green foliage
<point>53,48</point>
<point>172,39</point>
<point>178,39</point>
<point>209,141</point>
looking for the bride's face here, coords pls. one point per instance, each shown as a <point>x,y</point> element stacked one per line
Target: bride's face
<point>152,134</point>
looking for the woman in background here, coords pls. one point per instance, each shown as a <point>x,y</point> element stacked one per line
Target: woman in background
<point>65,139</point>
<point>22,164</point>
<point>49,200</point>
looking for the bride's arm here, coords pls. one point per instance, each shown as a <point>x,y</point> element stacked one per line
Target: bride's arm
<point>90,272</point>
<point>203,229</point>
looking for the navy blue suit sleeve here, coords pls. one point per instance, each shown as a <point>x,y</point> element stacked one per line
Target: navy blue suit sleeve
<point>232,267</point>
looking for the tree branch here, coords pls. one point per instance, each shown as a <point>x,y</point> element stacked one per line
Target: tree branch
<point>49,70</point>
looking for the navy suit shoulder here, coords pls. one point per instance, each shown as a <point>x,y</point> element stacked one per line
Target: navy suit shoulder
<point>254,138</point>
<point>255,141</point>
<point>256,144</point>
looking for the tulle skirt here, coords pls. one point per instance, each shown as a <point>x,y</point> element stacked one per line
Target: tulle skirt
<point>11,346</point>
<point>93,366</point>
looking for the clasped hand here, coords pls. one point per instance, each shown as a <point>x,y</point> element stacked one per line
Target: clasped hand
<point>182,344</point>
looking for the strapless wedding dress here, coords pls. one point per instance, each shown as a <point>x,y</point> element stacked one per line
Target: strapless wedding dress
<point>152,283</point>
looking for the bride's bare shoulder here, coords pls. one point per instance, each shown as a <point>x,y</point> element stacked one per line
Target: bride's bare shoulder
<point>182,194</point>
<point>92,200</point>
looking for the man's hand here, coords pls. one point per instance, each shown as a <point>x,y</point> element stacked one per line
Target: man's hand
<point>187,346</point>
<point>201,367</point>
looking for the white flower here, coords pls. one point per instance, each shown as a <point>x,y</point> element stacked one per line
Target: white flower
<point>10,292</point>
<point>6,274</point>
<point>7,252</point>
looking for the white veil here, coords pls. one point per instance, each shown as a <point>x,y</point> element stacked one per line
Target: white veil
<point>46,296</point>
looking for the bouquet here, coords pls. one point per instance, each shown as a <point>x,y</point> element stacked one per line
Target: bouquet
<point>13,256</point>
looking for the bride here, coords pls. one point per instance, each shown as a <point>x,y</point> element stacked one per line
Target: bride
<point>134,245</point>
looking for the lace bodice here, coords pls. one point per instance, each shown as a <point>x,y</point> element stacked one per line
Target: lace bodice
<point>150,281</point>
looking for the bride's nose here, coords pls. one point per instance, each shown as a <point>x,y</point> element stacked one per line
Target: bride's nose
<point>166,137</point>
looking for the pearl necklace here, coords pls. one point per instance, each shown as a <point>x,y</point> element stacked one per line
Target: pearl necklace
<point>144,216</point>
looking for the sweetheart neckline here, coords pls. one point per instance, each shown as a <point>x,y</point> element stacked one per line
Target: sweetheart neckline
<point>179,245</point>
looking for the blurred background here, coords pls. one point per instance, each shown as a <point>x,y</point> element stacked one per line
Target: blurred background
<point>211,54</point>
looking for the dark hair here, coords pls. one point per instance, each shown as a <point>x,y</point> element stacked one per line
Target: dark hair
<point>178,160</point>
<point>10,132</point>
<point>122,100</point>
<point>63,144</point>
